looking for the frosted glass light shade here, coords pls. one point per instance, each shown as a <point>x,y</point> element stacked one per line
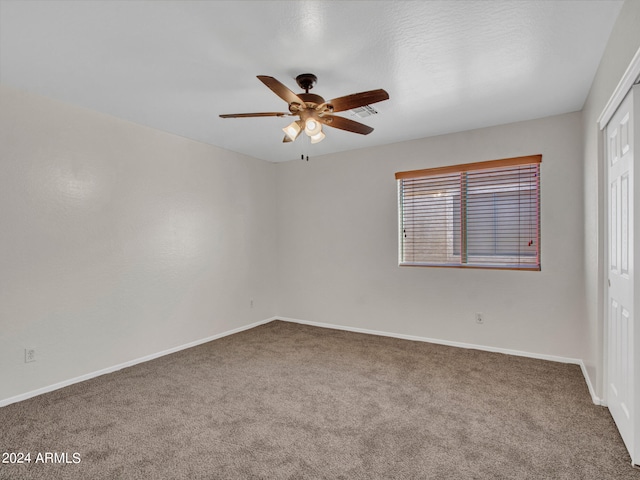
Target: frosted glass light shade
<point>312,127</point>
<point>292,131</point>
<point>318,137</point>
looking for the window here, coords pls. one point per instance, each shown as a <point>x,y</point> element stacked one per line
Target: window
<point>484,215</point>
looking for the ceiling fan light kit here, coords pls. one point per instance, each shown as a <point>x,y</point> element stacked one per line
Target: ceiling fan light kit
<point>313,111</point>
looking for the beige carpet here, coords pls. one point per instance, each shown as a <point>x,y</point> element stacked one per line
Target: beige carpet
<point>288,401</point>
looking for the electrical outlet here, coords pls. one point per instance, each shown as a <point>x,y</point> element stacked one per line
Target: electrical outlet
<point>29,354</point>
<point>479,318</point>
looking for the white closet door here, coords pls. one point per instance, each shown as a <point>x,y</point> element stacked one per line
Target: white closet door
<point>621,346</point>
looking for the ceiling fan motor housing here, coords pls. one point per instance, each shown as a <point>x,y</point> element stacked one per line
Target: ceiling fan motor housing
<point>311,101</point>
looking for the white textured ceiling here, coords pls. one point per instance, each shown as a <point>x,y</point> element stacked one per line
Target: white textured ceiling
<point>176,65</point>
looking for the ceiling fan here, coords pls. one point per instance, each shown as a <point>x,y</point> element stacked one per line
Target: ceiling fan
<point>313,110</point>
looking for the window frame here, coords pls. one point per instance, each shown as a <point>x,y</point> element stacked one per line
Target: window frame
<point>460,169</point>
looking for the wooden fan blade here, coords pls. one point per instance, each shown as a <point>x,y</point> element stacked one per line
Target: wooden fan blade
<point>356,100</point>
<point>286,139</point>
<point>281,90</point>
<point>263,114</point>
<point>346,124</point>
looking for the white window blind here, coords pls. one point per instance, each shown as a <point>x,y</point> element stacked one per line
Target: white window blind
<point>484,215</point>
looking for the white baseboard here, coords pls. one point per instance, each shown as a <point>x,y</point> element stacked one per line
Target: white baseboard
<point>104,371</point>
<point>82,378</point>
<point>597,400</point>
<point>540,356</point>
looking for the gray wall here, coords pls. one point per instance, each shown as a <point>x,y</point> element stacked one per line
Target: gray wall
<point>120,241</point>
<point>338,245</point>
